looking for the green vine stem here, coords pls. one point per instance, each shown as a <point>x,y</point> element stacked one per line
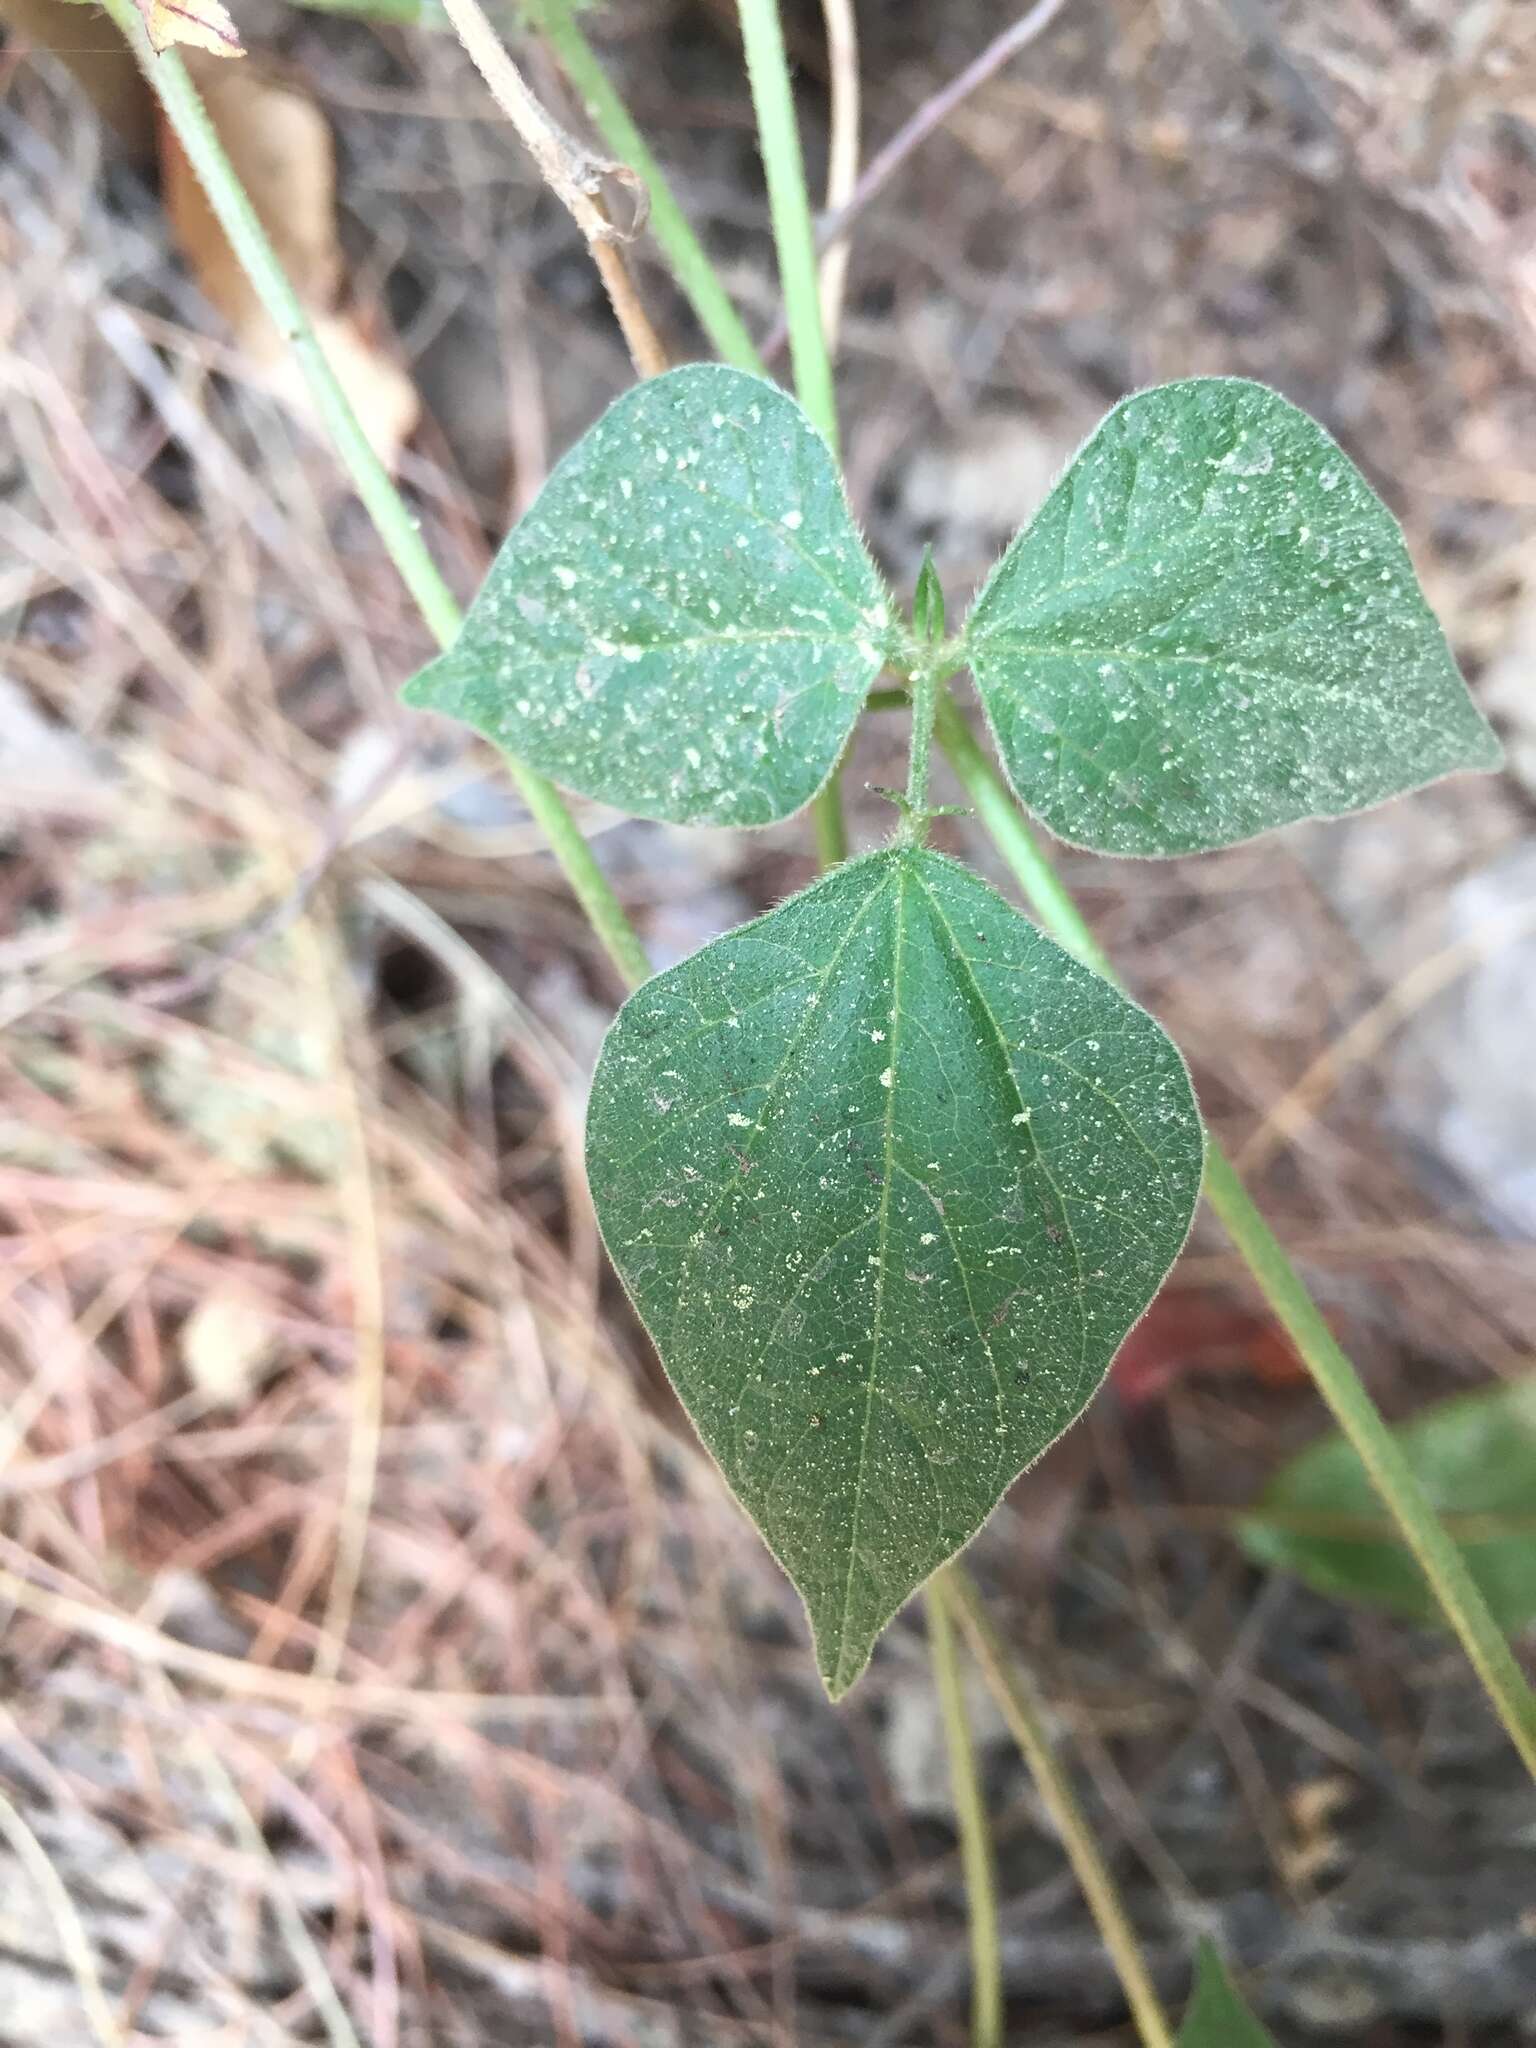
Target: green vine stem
<point>925,691</point>
<point>558,22</point>
<point>794,236</point>
<point>1337,1380</point>
<point>188,118</point>
<point>971,1815</point>
<point>1015,1696</point>
<point>789,204</point>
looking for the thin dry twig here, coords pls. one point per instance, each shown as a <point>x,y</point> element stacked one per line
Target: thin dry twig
<point>574,174</point>
<point>364,1699</point>
<point>842,153</point>
<point>74,1944</point>
<point>934,112</point>
<point>835,226</point>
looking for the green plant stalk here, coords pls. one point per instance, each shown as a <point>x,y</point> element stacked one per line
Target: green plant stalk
<point>188,118</point>
<point>1336,1378</point>
<point>829,827</point>
<point>789,204</point>
<point>995,808</point>
<point>559,24</point>
<point>970,1812</point>
<point>925,695</point>
<point>794,237</point>
<point>1438,1557</point>
<point>1016,1698</point>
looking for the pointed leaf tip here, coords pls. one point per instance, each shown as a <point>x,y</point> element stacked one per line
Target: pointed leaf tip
<point>1217,2016</point>
<point>928,616</point>
<point>888,1176</point>
<point>1212,628</point>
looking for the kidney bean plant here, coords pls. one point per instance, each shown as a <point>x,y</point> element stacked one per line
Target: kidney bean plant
<point>890,1172</point>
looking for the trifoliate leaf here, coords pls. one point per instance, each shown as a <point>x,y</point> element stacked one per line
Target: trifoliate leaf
<point>889,1176</point>
<point>1211,628</point>
<point>686,621</point>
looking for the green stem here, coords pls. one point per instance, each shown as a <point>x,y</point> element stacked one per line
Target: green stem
<point>794,232</point>
<point>1015,1695</point>
<point>1439,1558</point>
<point>828,825</point>
<point>994,806</point>
<point>925,697</point>
<point>188,118</point>
<point>1336,1378</point>
<point>794,236</point>
<point>560,25</point>
<point>971,1814</point>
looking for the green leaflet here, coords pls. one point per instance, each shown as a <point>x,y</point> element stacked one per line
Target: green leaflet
<point>1217,2016</point>
<point>686,621</point>
<point>1475,1456</point>
<point>889,1177</point>
<point>1212,627</point>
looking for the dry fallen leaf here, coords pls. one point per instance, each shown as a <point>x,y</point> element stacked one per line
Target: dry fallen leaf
<point>281,147</point>
<point>102,63</point>
<point>195,24</point>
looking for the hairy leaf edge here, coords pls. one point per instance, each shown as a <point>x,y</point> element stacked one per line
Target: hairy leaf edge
<point>1489,761</point>
<point>844,1676</point>
<point>452,669</point>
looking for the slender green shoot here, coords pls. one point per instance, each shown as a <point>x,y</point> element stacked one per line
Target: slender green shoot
<point>1402,1493</point>
<point>1003,822</point>
<point>971,1814</point>
<point>932,664</point>
<point>1337,1380</point>
<point>560,25</point>
<point>189,121</point>
<point>925,690</point>
<point>794,235</point>
<point>789,204</point>
<point>1015,1695</point>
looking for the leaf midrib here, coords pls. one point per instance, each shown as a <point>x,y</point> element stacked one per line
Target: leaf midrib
<point>882,1253</point>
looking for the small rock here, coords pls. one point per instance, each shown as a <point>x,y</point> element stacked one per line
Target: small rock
<point>227,1346</point>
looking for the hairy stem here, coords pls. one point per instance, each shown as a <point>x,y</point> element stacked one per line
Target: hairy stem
<point>1337,1381</point>
<point>925,696</point>
<point>1015,1695</point>
<point>560,25</point>
<point>971,1814</point>
<point>189,122</point>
